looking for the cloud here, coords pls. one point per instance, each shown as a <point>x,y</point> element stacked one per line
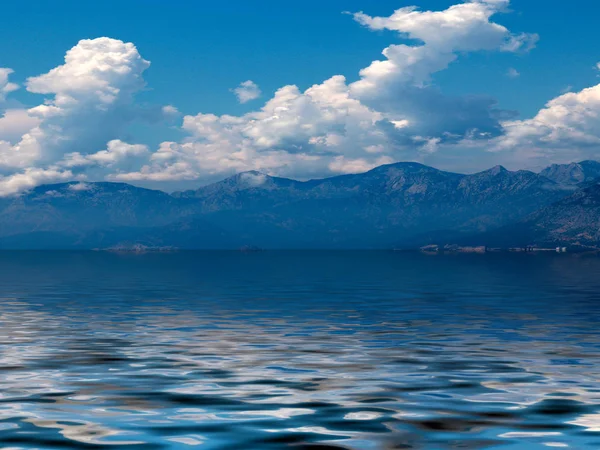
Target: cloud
<point>391,112</point>
<point>81,187</point>
<point>30,178</point>
<point>247,91</point>
<point>290,134</point>
<point>100,72</point>
<point>513,73</point>
<point>6,87</point>
<point>253,179</point>
<point>114,155</point>
<point>465,27</point>
<point>170,110</point>
<point>341,164</point>
<point>566,129</point>
<point>15,123</point>
<point>90,102</point>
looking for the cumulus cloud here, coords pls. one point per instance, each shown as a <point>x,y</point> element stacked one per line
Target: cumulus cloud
<point>114,155</point>
<point>6,87</point>
<point>89,102</point>
<point>291,134</point>
<point>247,91</point>
<point>465,27</point>
<point>92,94</point>
<point>14,123</point>
<point>390,111</point>
<point>566,129</point>
<point>31,177</point>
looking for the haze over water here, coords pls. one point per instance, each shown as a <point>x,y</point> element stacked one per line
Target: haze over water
<point>306,350</point>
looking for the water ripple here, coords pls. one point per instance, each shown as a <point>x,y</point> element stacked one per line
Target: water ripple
<point>350,351</point>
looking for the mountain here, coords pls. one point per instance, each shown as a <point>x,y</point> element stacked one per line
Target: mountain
<point>574,174</point>
<point>574,220</point>
<point>78,206</point>
<point>396,204</point>
<point>66,215</point>
<point>402,204</point>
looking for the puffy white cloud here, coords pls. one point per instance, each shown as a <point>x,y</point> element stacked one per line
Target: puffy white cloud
<point>247,91</point>
<point>465,27</point>
<point>294,133</point>
<point>114,155</point>
<point>101,72</point>
<point>390,113</point>
<point>91,102</point>
<point>567,129</point>
<point>31,177</point>
<point>15,123</point>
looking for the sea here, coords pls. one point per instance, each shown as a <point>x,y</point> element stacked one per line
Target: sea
<point>302,350</point>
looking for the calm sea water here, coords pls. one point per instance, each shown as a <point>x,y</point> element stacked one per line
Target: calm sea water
<point>300,350</point>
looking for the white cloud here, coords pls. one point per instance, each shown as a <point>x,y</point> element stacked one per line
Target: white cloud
<point>31,177</point>
<point>513,73</point>
<point>99,71</point>
<point>465,27</point>
<point>15,123</point>
<point>247,91</point>
<point>115,154</point>
<point>567,129</point>
<point>6,87</point>
<point>91,101</point>
<point>341,164</point>
<point>81,187</point>
<point>390,111</point>
<point>253,179</point>
<point>170,110</point>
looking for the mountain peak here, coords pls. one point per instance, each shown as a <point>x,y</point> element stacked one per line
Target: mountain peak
<point>494,171</point>
<point>573,174</point>
<point>497,170</point>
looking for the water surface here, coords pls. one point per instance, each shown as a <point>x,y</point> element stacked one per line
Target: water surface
<point>300,350</point>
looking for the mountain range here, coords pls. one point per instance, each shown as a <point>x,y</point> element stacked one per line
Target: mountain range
<point>402,205</point>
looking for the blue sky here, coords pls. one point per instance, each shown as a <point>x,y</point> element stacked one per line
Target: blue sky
<point>200,51</point>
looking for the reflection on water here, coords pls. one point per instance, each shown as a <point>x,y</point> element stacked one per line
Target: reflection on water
<point>302,350</point>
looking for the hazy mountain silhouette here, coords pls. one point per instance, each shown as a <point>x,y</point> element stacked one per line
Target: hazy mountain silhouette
<point>402,204</point>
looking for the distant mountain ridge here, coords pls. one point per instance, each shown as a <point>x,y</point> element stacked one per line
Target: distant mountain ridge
<point>574,174</point>
<point>402,204</point>
<point>574,220</point>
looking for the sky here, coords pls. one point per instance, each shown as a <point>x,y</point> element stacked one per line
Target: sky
<point>178,94</point>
